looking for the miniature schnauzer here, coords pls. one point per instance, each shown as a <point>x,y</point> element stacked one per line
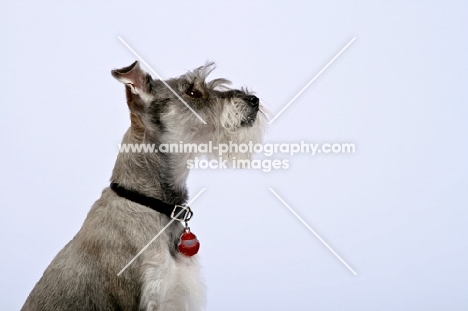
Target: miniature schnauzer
<point>147,192</point>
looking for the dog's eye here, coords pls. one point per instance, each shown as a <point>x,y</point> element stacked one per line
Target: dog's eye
<point>193,93</point>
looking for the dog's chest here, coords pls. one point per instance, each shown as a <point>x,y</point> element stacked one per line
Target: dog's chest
<point>172,284</point>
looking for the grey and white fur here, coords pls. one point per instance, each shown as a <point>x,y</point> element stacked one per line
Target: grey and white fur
<point>83,275</point>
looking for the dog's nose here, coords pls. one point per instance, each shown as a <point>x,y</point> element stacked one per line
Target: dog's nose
<point>252,100</point>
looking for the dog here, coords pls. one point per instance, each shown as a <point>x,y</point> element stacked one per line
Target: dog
<point>84,275</point>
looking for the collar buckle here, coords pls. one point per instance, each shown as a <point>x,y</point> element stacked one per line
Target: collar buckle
<point>182,213</point>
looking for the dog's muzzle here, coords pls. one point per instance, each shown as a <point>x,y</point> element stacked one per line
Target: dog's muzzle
<point>253,102</point>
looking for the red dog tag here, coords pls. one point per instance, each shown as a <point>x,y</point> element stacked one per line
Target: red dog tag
<point>188,243</point>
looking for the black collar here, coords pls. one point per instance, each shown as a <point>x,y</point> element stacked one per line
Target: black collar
<point>178,212</point>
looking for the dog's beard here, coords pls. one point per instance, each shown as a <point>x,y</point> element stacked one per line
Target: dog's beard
<point>237,113</point>
<point>227,129</point>
<point>240,125</point>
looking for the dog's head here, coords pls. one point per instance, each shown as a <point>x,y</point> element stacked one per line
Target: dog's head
<point>190,109</point>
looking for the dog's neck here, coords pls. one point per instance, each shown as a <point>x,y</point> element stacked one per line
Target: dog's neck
<point>154,174</point>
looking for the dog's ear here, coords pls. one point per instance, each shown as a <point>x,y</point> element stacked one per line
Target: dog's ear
<point>138,86</point>
<point>135,78</point>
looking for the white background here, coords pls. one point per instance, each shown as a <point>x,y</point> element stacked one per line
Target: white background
<point>396,210</point>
